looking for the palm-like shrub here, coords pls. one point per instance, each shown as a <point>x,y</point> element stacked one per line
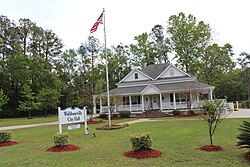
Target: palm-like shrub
<point>244,136</point>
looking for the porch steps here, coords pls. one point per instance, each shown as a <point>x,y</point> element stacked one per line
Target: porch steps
<point>151,114</point>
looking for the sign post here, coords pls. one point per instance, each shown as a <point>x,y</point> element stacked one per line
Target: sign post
<point>72,116</point>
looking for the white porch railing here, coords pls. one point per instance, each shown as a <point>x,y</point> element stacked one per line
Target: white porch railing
<point>165,106</point>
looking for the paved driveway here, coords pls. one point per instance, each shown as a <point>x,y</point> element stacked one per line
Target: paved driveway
<point>241,113</point>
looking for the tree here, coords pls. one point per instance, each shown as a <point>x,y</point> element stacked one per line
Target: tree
<point>3,99</point>
<point>28,104</point>
<point>244,61</point>
<point>214,62</point>
<point>188,39</point>
<point>143,52</point>
<point>48,99</point>
<point>213,113</point>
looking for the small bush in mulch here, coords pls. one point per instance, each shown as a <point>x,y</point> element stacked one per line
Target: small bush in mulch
<point>211,148</point>
<point>68,147</point>
<point>247,156</point>
<point>143,153</point>
<point>113,127</point>
<point>8,143</point>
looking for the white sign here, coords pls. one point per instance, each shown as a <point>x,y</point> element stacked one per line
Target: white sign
<point>71,116</point>
<point>74,126</point>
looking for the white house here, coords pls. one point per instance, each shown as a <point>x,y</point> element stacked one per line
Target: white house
<point>160,87</point>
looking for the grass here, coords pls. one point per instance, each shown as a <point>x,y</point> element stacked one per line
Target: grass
<point>24,121</point>
<point>177,139</point>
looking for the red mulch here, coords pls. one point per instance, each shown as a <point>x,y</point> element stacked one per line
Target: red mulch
<point>211,148</point>
<point>187,115</point>
<point>116,118</point>
<point>68,147</point>
<point>113,125</point>
<point>143,154</point>
<point>247,156</point>
<point>8,143</point>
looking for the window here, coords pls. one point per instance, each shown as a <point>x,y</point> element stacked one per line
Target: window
<point>171,73</point>
<point>136,75</point>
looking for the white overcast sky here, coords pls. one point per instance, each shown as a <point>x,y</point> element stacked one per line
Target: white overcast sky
<point>71,20</point>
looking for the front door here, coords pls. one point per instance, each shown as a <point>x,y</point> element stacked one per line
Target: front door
<point>155,102</point>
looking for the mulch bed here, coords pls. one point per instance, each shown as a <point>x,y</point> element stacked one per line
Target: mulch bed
<point>8,143</point>
<point>116,118</point>
<point>187,115</point>
<point>211,148</point>
<point>143,154</point>
<point>113,125</point>
<point>68,147</point>
<point>247,156</point>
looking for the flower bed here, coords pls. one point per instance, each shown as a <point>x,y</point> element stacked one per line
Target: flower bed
<point>113,126</point>
<point>187,115</point>
<point>247,156</point>
<point>143,153</point>
<point>211,148</point>
<point>68,147</point>
<point>113,118</point>
<point>8,143</point>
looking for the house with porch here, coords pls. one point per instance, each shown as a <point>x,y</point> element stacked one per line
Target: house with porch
<point>161,87</point>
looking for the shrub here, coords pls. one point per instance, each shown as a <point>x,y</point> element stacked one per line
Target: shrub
<point>191,112</point>
<point>114,115</point>
<point>103,116</point>
<point>125,114</point>
<point>176,112</point>
<point>5,136</point>
<point>61,139</point>
<point>244,136</point>
<point>141,141</point>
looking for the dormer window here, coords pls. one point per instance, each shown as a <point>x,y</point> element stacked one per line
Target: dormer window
<point>136,75</point>
<point>171,73</point>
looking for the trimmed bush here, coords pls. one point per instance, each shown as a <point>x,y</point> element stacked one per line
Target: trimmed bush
<point>191,112</point>
<point>141,141</point>
<point>103,116</point>
<point>176,112</point>
<point>125,114</point>
<point>61,139</point>
<point>5,136</point>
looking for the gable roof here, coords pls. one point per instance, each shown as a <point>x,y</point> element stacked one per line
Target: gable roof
<point>170,65</point>
<point>154,70</point>
<point>144,74</point>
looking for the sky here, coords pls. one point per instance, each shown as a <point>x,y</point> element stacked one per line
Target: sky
<point>72,20</point>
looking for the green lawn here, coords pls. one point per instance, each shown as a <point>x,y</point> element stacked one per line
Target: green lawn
<point>177,139</point>
<point>24,121</point>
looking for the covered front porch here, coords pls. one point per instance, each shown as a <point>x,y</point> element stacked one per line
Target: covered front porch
<point>156,101</point>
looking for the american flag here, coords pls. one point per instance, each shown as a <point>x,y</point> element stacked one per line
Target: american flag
<point>98,21</point>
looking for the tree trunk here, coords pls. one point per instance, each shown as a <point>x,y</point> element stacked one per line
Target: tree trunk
<point>248,77</point>
<point>210,135</point>
<point>29,114</point>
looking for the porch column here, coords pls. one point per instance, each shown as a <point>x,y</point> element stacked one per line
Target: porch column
<point>142,103</point>
<point>161,101</point>
<point>130,104</point>
<point>94,105</point>
<point>174,100</point>
<point>115,105</point>
<point>210,94</point>
<point>190,100</point>
<point>101,105</point>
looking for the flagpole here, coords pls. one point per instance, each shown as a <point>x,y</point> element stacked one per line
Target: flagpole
<point>107,73</point>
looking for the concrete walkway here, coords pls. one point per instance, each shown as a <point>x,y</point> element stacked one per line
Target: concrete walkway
<point>28,126</point>
<point>241,113</point>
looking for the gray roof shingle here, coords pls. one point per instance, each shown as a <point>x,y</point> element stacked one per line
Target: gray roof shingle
<point>154,70</point>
